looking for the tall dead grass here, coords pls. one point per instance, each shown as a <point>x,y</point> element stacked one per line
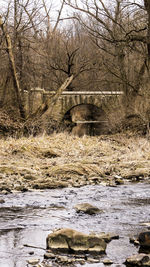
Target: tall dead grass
<point>65,156</point>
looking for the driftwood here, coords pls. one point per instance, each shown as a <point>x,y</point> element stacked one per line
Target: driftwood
<point>13,68</point>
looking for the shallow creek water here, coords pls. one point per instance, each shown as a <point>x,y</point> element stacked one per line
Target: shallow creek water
<point>27,218</point>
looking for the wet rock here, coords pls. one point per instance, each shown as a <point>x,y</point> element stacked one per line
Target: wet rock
<point>65,260</point>
<point>62,259</point>
<point>2,201</point>
<point>119,181</point>
<point>87,208</point>
<point>49,255</point>
<point>146,224</point>
<point>21,188</point>
<point>107,262</point>
<point>134,240</point>
<point>92,260</point>
<point>31,253</point>
<point>108,237</point>
<point>33,261</point>
<point>138,260</point>
<point>144,239</point>
<point>46,264</point>
<point>71,241</point>
<point>4,192</point>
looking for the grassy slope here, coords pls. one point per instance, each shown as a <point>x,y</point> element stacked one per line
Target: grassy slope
<point>61,160</point>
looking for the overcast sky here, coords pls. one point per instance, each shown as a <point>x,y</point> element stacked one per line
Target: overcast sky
<point>55,5</point>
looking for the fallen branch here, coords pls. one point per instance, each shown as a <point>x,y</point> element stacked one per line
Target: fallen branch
<point>47,107</point>
<point>30,246</point>
<point>44,113</point>
<point>52,101</point>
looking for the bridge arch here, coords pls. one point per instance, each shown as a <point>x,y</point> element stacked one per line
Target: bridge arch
<point>86,119</point>
<point>85,112</point>
<point>68,103</point>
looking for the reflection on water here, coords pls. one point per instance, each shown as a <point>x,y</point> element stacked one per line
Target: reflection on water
<point>27,218</point>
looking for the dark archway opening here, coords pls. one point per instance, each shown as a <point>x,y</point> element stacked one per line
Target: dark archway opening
<point>86,119</point>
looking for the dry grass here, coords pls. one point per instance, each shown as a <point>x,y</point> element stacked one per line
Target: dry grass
<point>62,160</point>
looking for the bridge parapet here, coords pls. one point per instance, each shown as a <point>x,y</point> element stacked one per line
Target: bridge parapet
<point>68,100</point>
<point>92,93</point>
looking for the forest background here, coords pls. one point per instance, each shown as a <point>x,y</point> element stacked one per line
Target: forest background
<point>105,45</point>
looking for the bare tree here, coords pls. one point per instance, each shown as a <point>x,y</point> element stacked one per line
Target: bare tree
<point>13,68</point>
<point>107,48</point>
<point>121,31</point>
<point>68,58</point>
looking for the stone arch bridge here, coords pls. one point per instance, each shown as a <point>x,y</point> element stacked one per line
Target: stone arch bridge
<point>67,100</point>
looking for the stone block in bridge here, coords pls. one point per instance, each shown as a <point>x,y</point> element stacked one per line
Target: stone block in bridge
<point>67,100</point>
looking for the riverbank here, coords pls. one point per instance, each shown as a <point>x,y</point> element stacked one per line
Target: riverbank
<point>62,160</point>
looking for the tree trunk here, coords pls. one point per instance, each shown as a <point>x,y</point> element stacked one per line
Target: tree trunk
<point>147,7</point>
<point>46,109</point>
<point>13,69</point>
<point>4,91</point>
<point>52,101</point>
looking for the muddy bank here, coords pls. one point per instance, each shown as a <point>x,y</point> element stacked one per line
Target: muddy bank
<point>62,160</point>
